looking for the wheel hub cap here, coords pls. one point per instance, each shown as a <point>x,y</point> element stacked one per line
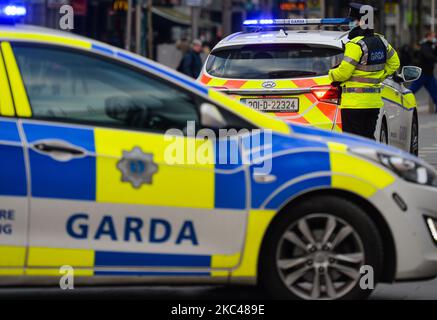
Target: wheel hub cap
<point>321,257</point>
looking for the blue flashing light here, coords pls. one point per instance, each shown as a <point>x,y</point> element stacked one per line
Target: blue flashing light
<point>250,22</point>
<point>11,11</point>
<point>266,21</point>
<point>296,22</point>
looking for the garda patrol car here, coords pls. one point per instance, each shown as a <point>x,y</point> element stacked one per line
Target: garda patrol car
<point>86,183</point>
<point>285,72</point>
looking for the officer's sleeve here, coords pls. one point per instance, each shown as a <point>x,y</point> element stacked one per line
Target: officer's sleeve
<point>393,63</point>
<point>352,56</point>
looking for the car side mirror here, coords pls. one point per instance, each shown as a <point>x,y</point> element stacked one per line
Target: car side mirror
<point>210,117</point>
<point>410,73</point>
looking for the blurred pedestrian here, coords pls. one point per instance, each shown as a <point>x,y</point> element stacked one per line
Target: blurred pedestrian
<point>191,63</point>
<point>206,50</point>
<point>183,45</point>
<point>428,59</point>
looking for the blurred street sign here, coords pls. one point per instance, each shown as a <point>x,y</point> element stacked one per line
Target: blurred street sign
<point>293,6</point>
<point>120,5</point>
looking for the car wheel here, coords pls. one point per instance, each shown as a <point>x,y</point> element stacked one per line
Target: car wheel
<point>414,145</point>
<point>316,250</point>
<point>383,137</point>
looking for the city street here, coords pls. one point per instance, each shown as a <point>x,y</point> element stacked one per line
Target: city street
<point>426,290</point>
<point>184,140</point>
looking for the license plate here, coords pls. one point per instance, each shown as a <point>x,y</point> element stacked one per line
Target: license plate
<point>273,105</point>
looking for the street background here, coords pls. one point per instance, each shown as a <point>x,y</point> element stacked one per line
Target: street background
<point>160,29</point>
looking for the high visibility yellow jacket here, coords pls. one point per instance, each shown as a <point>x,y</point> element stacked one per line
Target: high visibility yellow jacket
<point>361,80</point>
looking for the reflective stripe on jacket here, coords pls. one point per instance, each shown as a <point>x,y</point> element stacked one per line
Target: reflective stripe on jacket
<point>355,72</point>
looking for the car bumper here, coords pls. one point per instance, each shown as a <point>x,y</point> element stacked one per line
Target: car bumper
<point>416,250</point>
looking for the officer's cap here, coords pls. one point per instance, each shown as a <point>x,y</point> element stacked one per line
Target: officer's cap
<point>354,11</point>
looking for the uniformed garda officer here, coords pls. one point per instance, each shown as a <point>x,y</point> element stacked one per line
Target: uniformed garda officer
<point>368,60</point>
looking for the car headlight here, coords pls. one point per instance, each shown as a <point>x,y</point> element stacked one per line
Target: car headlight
<point>410,169</point>
<point>432,227</point>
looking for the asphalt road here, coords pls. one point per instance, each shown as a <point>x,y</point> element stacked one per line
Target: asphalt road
<point>418,290</point>
<point>428,137</point>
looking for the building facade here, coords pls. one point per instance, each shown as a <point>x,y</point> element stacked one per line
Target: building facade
<point>403,22</point>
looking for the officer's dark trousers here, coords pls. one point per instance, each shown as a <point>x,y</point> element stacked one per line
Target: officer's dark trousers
<point>361,122</point>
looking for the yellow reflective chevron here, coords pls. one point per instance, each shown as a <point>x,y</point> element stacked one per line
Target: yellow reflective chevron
<point>322,81</point>
<point>217,82</point>
<point>311,112</point>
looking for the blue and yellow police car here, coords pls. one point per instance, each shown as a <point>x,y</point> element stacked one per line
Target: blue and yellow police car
<point>280,67</point>
<point>104,169</point>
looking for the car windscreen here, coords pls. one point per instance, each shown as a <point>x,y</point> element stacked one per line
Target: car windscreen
<point>273,61</point>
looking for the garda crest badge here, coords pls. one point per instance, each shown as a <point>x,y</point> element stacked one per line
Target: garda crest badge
<point>137,167</point>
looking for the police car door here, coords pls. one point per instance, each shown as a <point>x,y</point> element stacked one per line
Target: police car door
<point>111,192</point>
<point>391,112</point>
<point>13,178</point>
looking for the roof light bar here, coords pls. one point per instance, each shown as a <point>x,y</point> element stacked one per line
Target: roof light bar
<point>296,22</point>
<point>11,11</point>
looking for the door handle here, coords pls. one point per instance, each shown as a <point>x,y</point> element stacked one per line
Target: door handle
<point>58,150</point>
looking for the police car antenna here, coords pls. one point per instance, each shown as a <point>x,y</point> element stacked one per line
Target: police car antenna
<point>284,30</point>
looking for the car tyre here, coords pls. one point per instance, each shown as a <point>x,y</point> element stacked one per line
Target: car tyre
<point>414,143</point>
<point>292,266</point>
<point>383,137</point>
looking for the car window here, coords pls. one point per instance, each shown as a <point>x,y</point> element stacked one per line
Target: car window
<point>67,85</point>
<point>273,61</point>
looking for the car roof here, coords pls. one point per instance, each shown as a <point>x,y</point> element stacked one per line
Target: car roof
<point>322,37</point>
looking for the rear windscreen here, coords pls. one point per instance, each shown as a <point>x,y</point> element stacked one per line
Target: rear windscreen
<point>275,61</point>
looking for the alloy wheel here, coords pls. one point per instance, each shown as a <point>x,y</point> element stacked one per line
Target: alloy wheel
<point>319,257</point>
